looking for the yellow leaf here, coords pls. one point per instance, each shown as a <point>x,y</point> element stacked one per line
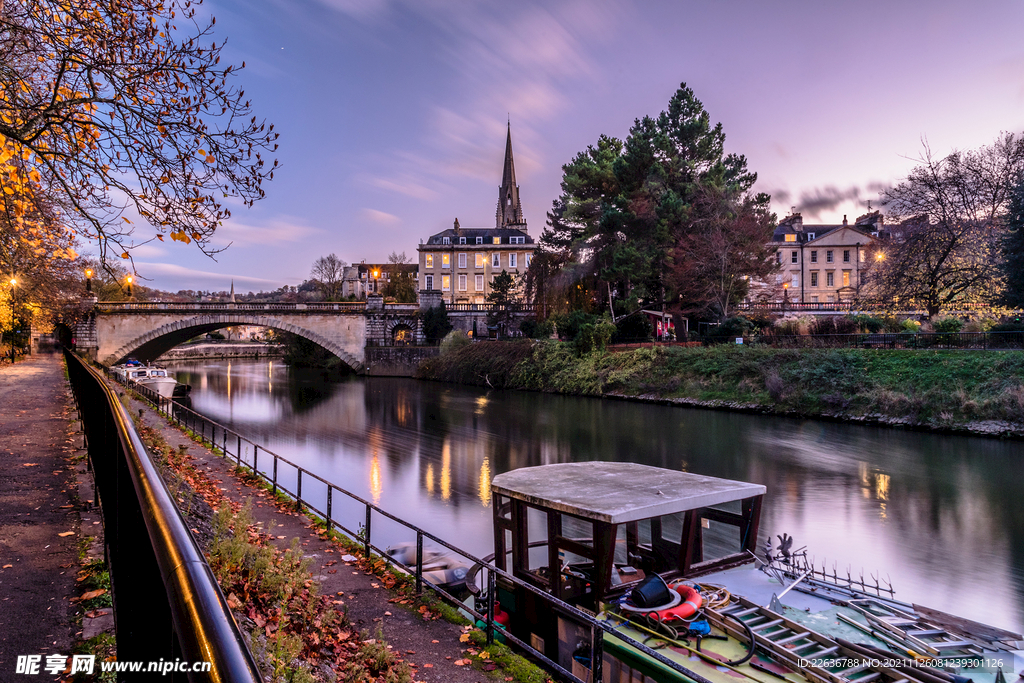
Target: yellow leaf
<point>201,152</point>
<point>196,236</point>
<point>125,219</point>
<point>210,159</point>
<point>66,533</point>
<point>464,638</point>
<point>124,255</point>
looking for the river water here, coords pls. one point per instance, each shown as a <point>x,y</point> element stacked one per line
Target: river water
<point>941,516</point>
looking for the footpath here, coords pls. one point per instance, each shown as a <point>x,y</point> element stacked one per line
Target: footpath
<point>39,513</point>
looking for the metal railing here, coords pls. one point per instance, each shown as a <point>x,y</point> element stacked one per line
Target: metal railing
<point>149,546</point>
<point>892,340</point>
<point>285,476</point>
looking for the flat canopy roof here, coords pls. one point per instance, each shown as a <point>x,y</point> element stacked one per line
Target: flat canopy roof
<point>618,492</point>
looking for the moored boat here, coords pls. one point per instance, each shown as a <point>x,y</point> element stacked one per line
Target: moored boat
<point>150,376</point>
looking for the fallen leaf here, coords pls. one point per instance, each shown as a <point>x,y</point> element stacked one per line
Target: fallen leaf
<point>30,464</point>
<point>462,662</point>
<point>8,566</point>
<point>435,641</point>
<point>464,638</point>
<point>428,666</point>
<point>387,614</point>
<point>66,533</point>
<point>234,602</point>
<point>93,594</point>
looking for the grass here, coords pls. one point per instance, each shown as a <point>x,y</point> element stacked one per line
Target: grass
<point>940,388</point>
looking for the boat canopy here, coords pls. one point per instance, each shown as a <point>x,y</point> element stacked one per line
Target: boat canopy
<point>618,492</point>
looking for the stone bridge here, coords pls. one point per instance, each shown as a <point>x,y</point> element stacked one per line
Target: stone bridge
<point>113,331</point>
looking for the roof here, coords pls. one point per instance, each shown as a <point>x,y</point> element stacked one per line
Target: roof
<point>472,233</point>
<point>618,492</point>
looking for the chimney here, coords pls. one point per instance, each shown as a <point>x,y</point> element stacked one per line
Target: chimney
<point>844,219</point>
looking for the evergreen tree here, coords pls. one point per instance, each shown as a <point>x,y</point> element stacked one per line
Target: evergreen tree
<point>1013,248</point>
<point>502,296</point>
<point>435,323</point>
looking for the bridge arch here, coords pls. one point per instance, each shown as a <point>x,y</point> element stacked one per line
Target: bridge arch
<point>164,338</point>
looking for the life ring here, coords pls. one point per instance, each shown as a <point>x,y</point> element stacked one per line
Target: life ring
<point>690,605</point>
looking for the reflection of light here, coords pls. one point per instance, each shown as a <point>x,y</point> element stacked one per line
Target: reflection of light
<point>882,487</point>
<point>229,381</point>
<point>446,470</point>
<point>485,482</point>
<point>429,479</point>
<point>375,484</point>
<point>481,404</point>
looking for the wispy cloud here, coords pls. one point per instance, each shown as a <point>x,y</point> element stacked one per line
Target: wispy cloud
<point>405,184</point>
<point>277,231</point>
<point>202,279</point>
<point>381,217</point>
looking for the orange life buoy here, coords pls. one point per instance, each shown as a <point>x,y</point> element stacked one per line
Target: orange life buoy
<point>691,603</point>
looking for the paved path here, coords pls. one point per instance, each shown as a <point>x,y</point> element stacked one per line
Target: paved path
<point>37,486</point>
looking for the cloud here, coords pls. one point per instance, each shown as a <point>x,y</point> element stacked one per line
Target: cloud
<point>276,231</point>
<point>201,279</point>
<point>359,9</point>
<point>382,217</point>
<point>405,185</point>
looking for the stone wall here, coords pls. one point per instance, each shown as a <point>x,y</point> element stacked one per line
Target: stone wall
<point>227,350</point>
<point>397,361</point>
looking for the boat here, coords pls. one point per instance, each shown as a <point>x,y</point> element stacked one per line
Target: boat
<point>443,569</point>
<point>627,573</point>
<point>150,376</point>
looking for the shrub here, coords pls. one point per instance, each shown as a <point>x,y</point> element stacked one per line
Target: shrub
<point>569,324</point>
<point>536,329</point>
<point>730,328</point>
<point>909,325</point>
<point>787,327</point>
<point>833,324</point>
<point>1008,326</point>
<point>868,323</point>
<point>453,341</point>
<point>633,328</point>
<point>435,323</point>
<point>947,325</point>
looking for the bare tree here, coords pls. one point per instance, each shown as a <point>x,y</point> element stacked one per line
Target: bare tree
<point>949,215</point>
<point>398,259</point>
<point>329,271</point>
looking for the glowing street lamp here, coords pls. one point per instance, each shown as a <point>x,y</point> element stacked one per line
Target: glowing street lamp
<point>88,279</point>
<point>128,279</point>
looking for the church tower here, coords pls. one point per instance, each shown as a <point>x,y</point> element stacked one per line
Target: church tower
<point>510,211</point>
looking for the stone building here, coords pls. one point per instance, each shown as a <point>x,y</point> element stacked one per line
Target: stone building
<point>462,262</point>
<point>361,279</point>
<point>824,263</point>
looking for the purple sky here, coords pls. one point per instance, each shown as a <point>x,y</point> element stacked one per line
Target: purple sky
<point>392,112</point>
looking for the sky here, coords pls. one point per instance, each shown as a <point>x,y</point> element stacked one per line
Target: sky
<point>393,113</point>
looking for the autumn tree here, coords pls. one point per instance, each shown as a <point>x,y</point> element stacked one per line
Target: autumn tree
<point>328,273</point>
<point>627,204</point>
<point>400,285</point>
<point>950,216</point>
<point>122,108</point>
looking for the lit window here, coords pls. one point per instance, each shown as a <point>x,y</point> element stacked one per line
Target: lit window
<point>462,283</point>
<point>462,260</point>
<point>481,260</point>
<point>846,278</point>
<point>428,262</point>
<point>446,260</point>
<point>446,282</point>
<point>497,240</point>
<point>479,283</point>
<point>512,260</point>
<point>791,237</point>
<point>496,260</point>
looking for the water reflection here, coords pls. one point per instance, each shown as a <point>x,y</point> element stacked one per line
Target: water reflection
<point>934,513</point>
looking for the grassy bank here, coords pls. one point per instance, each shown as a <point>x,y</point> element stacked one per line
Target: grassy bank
<point>940,389</point>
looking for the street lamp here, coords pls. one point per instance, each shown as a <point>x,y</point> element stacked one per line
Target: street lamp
<point>88,280</point>
<point>128,279</point>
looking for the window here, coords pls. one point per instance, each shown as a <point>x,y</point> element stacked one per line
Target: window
<point>446,240</point>
<point>846,255</point>
<point>517,240</point>
<point>481,260</point>
<point>497,240</point>
<point>462,240</point>
<point>496,260</point>
<point>446,282</point>
<point>791,237</point>
<point>814,278</point>
<point>793,257</point>
<point>814,257</point>
<point>810,236</point>
<point>830,298</point>
<point>861,255</point>
<point>479,283</point>
<point>830,279</point>
<point>778,279</point>
<point>828,256</point>
<point>527,259</point>
<point>778,257</point>
<point>479,240</point>
<point>795,281</point>
<point>512,260</point>
<point>446,260</point>
<point>814,299</point>
<point>462,282</point>
<point>462,260</point>
<point>846,278</point>
<point>428,282</point>
<point>428,262</point>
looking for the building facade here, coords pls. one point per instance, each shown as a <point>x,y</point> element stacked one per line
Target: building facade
<point>361,279</point>
<point>823,263</point>
<point>462,262</point>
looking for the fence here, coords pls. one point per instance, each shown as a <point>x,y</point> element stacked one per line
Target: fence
<point>360,519</point>
<point>148,546</point>
<point>896,340</point>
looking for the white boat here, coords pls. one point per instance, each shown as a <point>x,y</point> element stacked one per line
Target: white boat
<point>150,376</point>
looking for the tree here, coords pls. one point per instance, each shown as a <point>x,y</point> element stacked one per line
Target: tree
<point>951,217</point>
<point>1013,248</point>
<point>502,296</point>
<point>120,107</point>
<point>626,205</point>
<point>400,285</point>
<point>435,323</point>
<point>329,272</point>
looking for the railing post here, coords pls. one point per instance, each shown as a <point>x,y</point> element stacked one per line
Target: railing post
<point>238,452</point>
<point>366,530</point>
<point>275,474</point>
<point>419,562</point>
<point>255,459</point>
<point>596,653</point>
<point>298,491</point>
<point>330,517</point>
<point>490,606</point>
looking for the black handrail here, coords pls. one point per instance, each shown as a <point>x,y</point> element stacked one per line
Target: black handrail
<point>149,546</point>
<point>197,424</point>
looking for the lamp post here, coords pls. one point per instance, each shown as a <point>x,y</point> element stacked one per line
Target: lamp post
<point>128,280</point>
<point>88,280</point>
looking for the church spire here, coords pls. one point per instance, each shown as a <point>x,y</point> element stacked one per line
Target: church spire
<point>510,211</point>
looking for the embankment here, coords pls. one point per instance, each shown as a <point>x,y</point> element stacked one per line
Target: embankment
<point>980,392</point>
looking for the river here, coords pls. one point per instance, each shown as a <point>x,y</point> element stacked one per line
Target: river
<point>940,516</point>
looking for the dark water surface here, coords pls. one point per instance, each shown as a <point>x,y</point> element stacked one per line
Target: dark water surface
<point>941,516</point>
